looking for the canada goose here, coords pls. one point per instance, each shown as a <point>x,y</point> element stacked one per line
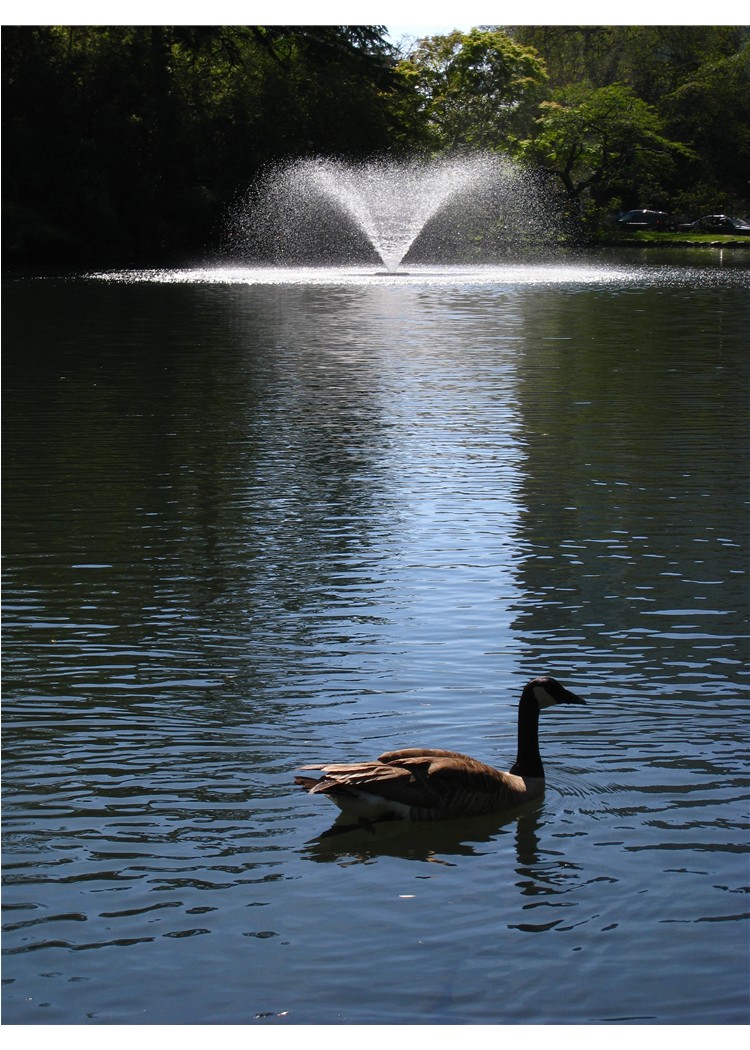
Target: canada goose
<point>429,784</point>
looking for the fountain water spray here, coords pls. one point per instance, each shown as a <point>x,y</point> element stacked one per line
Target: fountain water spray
<point>325,210</point>
<point>390,203</point>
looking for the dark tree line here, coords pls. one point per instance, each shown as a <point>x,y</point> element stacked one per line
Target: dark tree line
<point>126,145</point>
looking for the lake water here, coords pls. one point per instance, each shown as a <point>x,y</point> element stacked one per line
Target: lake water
<point>256,519</point>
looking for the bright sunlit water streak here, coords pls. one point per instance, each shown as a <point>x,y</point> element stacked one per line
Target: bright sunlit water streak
<point>254,520</point>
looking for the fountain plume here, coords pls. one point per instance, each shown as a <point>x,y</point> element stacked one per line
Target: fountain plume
<point>326,210</point>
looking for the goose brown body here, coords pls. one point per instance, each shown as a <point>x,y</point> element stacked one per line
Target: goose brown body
<point>433,784</point>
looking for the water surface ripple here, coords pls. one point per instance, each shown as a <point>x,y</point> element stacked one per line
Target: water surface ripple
<point>250,524</point>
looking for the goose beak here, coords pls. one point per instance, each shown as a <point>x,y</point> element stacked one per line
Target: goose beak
<point>571,698</point>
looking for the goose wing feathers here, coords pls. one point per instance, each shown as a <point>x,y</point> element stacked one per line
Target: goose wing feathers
<point>431,783</point>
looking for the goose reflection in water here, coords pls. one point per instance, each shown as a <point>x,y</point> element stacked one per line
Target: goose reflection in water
<point>347,843</point>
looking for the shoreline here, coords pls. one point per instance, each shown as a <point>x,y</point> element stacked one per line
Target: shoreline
<point>671,242</point>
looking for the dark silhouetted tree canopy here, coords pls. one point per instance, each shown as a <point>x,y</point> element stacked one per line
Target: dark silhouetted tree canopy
<point>128,142</point>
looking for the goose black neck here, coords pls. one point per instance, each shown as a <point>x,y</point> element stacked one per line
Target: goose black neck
<point>528,760</point>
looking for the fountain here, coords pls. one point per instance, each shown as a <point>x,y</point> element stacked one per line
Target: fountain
<point>471,219</point>
<point>467,220</point>
<point>452,208</point>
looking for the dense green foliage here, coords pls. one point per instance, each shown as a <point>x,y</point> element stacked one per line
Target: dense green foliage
<point>605,144</point>
<point>476,90</point>
<point>689,85</point>
<point>127,144</point>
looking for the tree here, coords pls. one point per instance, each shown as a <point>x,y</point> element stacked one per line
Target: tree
<point>604,142</point>
<point>696,78</point>
<point>711,111</point>
<point>653,60</point>
<point>127,143</point>
<point>478,89</point>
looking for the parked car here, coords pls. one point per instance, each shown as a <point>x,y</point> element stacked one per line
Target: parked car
<point>718,224</point>
<point>645,219</point>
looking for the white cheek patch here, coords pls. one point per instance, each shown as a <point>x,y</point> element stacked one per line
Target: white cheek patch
<point>543,698</point>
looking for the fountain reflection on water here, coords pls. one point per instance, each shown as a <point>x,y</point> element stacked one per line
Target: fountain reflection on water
<point>448,209</point>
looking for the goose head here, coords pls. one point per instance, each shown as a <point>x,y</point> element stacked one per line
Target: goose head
<point>537,695</point>
<point>547,691</point>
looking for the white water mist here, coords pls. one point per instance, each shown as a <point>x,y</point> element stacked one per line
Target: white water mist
<point>326,210</point>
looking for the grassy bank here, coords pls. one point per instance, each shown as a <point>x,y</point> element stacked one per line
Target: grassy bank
<point>646,238</point>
